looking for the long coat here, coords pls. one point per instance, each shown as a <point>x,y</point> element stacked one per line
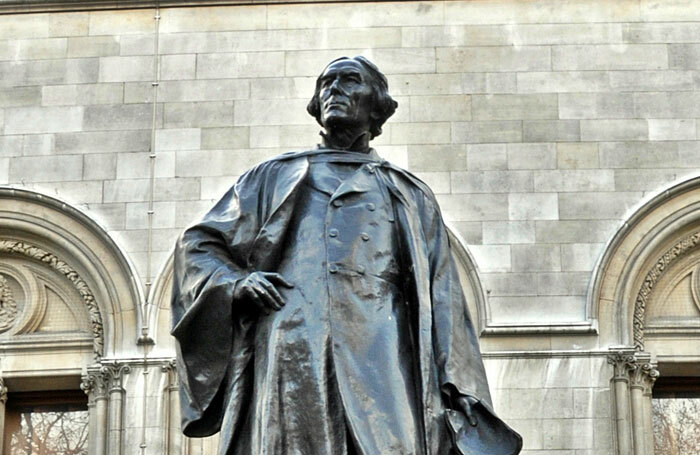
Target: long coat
<point>245,232</point>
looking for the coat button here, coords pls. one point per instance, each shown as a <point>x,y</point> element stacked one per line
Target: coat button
<point>337,203</point>
<point>365,236</point>
<point>333,233</point>
<point>333,268</point>
<point>371,207</point>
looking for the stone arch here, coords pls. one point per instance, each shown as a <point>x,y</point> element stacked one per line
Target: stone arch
<point>158,313</point>
<point>70,244</point>
<point>659,232</point>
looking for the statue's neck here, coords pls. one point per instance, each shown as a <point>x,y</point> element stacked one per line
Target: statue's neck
<point>347,139</point>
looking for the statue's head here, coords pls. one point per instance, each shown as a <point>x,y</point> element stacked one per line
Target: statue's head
<point>352,93</point>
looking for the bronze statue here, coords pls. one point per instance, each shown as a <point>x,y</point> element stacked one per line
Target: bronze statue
<point>317,308</point>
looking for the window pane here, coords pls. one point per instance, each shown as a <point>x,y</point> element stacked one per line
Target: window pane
<point>48,428</point>
<point>676,424</point>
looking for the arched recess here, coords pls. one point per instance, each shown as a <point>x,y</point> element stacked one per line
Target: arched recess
<point>55,240</point>
<point>662,234</point>
<point>159,298</point>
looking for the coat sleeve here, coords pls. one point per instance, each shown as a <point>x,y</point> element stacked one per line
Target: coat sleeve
<point>210,328</point>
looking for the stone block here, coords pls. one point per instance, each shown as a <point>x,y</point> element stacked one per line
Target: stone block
<point>575,180</point>
<point>177,189</point>
<point>340,15</point>
<point>237,65</point>
<point>120,117</point>
<point>483,157</point>
<point>103,142</point>
<point>456,35</point>
<point>137,215</point>
<point>10,145</point>
<point>647,179</point>
<point>139,44</point>
<point>551,130</point>
<point>93,46</point>
<point>580,33</point>
<point>177,67</point>
<point>122,69</point>
<point>467,232</point>
<point>271,112</point>
<point>110,216</point>
<point>184,91</point>
<point>27,120</point>
<point>81,192</point>
<point>389,60</point>
<point>195,115</point>
<point>46,168</point>
<point>592,403</point>
<point>187,212</point>
<point>597,205</point>
<point>667,105</point>
<point>122,22</point>
<point>509,232</point>
<point>660,32</point>
<point>530,310</point>
<point>474,207</point>
<point>493,58</point>
<point>439,183</point>
<point>20,96</point>
<point>533,206</point>
<point>4,170</point>
<point>287,87</point>
<point>547,12</point>
<point>580,256</point>
<point>440,108</point>
<point>614,130</point>
<point>420,133</point>
<point>218,163</point>
<point>39,144</point>
<point>178,139</point>
<point>33,72</point>
<point>532,156</point>
<point>568,433</point>
<point>491,258</point>
<point>635,155</point>
<point>491,181</point>
<point>437,157</point>
<point>596,105</point>
<point>297,136</point>
<point>175,20</point>
<point>650,81</point>
<point>684,56</point>
<point>100,166</point>
<point>536,258</point>
<point>136,165</point>
<point>563,82</point>
<point>41,49</point>
<point>84,94</point>
<point>225,138</point>
<point>396,154</point>
<point>575,231</point>
<point>18,26</point>
<point>68,24</point>
<point>509,284</point>
<point>672,130</point>
<point>81,70</point>
<point>668,10</point>
<point>610,57</point>
<point>215,187</point>
<point>514,107</point>
<point>563,283</point>
<point>583,155</point>
<point>480,132</point>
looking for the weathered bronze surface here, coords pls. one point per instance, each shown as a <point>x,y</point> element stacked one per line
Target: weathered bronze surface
<point>318,310</point>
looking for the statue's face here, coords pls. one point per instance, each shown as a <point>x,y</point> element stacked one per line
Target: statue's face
<point>345,96</point>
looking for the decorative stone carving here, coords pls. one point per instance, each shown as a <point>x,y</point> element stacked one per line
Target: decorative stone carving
<point>3,393</point>
<point>113,374</point>
<point>680,249</point>
<point>60,266</point>
<point>94,385</point>
<point>8,306</point>
<point>643,375</point>
<point>623,363</point>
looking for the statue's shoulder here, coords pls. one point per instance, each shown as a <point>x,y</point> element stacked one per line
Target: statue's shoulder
<point>283,161</point>
<point>416,185</point>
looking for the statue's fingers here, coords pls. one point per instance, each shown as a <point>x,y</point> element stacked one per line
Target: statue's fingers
<point>279,279</point>
<point>272,290</point>
<point>266,298</point>
<point>467,408</point>
<point>257,299</point>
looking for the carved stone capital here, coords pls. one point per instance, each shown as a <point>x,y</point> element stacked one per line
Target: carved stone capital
<point>623,362</point>
<point>94,385</point>
<point>8,306</point>
<point>170,368</point>
<point>114,373</point>
<point>3,392</point>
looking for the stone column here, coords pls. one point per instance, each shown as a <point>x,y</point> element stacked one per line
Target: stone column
<point>114,374</point>
<point>3,400</point>
<point>649,378</point>
<point>622,361</point>
<point>95,386</point>
<point>174,432</point>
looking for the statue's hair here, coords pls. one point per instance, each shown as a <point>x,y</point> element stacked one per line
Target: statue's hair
<point>383,105</point>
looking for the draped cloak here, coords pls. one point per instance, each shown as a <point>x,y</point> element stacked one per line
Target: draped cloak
<point>246,231</point>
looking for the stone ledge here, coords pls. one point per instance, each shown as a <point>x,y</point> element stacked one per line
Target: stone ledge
<point>43,6</point>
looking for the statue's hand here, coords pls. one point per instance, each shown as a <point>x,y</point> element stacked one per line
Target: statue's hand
<point>258,288</point>
<point>465,404</point>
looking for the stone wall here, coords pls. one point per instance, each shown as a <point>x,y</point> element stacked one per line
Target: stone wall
<point>539,125</point>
